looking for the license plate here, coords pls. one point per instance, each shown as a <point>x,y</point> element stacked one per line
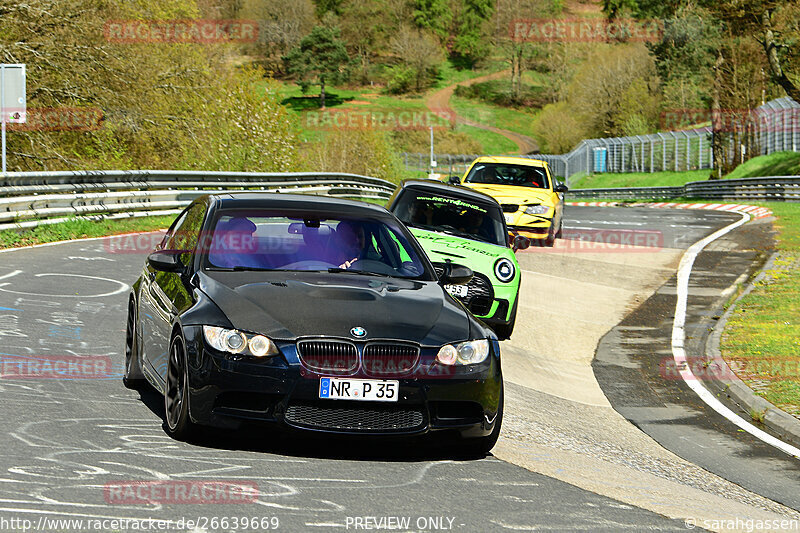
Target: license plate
<point>457,290</point>
<point>370,390</point>
<point>509,218</point>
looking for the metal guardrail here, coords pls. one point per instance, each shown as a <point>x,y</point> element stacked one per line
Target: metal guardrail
<point>31,198</point>
<point>773,188</point>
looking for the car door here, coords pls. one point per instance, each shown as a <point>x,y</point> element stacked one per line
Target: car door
<point>169,293</point>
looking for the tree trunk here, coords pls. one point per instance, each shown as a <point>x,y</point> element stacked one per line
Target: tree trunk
<point>771,48</point>
<point>322,93</point>
<point>717,137</point>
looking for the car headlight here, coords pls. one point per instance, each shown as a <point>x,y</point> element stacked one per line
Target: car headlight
<point>464,353</point>
<point>235,341</point>
<point>537,209</point>
<point>504,270</point>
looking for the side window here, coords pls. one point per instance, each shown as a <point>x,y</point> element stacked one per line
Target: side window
<point>184,233</point>
<point>168,237</point>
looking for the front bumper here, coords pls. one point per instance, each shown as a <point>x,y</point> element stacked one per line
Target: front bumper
<point>226,392</point>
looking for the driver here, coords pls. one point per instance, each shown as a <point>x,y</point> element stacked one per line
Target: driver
<point>352,241</point>
<point>234,244</point>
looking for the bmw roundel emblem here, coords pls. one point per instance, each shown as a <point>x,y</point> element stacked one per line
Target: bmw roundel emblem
<point>358,332</point>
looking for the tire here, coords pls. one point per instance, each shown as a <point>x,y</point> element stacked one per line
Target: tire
<point>550,240</point>
<point>481,446</point>
<point>177,423</point>
<point>133,377</point>
<point>504,330</point>
<point>560,232</point>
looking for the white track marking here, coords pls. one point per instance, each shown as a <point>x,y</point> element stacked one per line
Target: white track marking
<point>11,274</point>
<point>122,287</point>
<point>679,336</point>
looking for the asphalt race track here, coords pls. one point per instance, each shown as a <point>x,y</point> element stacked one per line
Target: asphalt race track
<point>65,441</point>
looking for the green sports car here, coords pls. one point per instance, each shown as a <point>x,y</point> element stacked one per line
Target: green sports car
<point>466,227</point>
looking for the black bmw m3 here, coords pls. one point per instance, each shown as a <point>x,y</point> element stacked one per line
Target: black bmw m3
<point>309,312</point>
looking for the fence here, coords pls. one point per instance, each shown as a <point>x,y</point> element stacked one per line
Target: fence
<point>776,188</point>
<point>31,198</point>
<point>772,127</point>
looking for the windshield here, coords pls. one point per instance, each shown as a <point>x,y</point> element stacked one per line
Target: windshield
<point>247,240</point>
<point>502,174</point>
<point>445,214</point>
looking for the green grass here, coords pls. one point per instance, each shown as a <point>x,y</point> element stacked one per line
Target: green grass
<point>80,228</point>
<point>492,143</point>
<point>640,179</point>
<point>777,164</point>
<point>762,336</point>
<point>449,74</point>
<point>492,115</point>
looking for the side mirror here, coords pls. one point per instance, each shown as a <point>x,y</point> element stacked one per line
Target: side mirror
<point>560,187</point>
<point>518,242</point>
<point>454,180</point>
<point>455,275</point>
<point>167,260</point>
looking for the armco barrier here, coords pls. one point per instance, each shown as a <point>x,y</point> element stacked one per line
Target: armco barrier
<point>775,188</point>
<point>32,198</point>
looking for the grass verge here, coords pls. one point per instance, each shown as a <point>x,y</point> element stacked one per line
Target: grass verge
<point>81,228</point>
<point>639,179</point>
<point>761,340</point>
<point>777,164</point>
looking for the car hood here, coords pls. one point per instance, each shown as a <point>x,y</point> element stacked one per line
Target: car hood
<point>477,255</point>
<point>288,305</point>
<point>511,194</point>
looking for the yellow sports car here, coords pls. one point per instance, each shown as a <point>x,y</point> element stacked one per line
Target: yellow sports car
<point>532,201</point>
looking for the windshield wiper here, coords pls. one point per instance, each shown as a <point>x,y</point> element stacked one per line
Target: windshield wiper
<point>336,270</point>
<point>239,269</point>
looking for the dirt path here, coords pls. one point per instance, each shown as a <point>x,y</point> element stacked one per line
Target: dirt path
<point>439,103</point>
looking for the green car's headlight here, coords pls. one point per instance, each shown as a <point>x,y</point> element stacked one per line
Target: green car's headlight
<point>537,209</point>
<point>235,341</point>
<point>464,353</point>
<point>504,270</point>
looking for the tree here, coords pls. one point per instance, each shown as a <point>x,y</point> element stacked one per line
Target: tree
<point>320,58</point>
<point>599,87</point>
<point>472,38</point>
<point>281,25</point>
<point>419,54</point>
<point>434,16</point>
<point>365,27</point>
<point>516,48</point>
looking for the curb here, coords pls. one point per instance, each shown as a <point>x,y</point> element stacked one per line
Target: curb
<point>784,425</point>
<point>754,211</point>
